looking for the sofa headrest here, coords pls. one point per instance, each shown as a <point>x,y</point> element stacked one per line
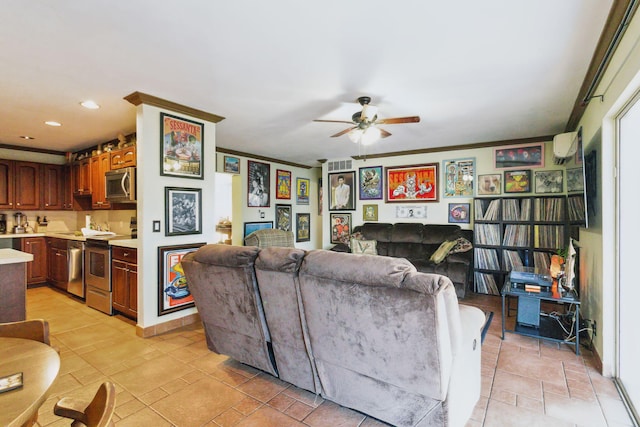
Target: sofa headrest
<point>286,260</point>
<point>377,231</point>
<point>369,270</point>
<point>227,256</point>
<point>438,233</point>
<point>407,232</point>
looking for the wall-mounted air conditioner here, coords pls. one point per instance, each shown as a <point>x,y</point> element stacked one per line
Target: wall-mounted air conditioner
<point>565,146</point>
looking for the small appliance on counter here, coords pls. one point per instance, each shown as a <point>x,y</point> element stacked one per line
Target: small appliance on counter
<point>3,223</point>
<point>19,223</point>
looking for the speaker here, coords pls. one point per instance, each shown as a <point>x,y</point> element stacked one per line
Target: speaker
<point>528,311</point>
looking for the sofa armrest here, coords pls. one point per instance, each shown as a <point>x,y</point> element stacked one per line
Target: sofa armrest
<point>341,247</point>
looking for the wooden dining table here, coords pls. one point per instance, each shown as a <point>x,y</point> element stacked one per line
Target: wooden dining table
<point>39,364</point>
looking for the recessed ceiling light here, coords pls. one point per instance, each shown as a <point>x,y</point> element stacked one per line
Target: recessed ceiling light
<point>90,104</point>
<point>52,123</point>
<point>26,137</point>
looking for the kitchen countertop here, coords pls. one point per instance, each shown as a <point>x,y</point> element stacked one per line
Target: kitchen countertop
<point>70,235</point>
<point>12,256</point>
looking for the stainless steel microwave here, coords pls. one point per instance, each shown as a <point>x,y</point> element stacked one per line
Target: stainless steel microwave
<point>120,185</point>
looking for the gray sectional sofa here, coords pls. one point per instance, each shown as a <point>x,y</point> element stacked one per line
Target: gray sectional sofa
<point>367,332</point>
<point>417,242</point>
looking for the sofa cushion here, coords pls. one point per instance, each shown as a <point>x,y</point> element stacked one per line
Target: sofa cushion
<point>462,245</point>
<point>361,246</point>
<point>437,233</point>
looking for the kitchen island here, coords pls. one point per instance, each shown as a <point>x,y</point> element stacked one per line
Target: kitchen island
<point>13,286</point>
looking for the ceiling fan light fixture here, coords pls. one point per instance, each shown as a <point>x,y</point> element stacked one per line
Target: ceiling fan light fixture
<point>370,135</point>
<point>355,135</point>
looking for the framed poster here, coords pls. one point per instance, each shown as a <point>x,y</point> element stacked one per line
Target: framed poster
<point>182,147</point>
<point>283,184</point>
<point>519,156</point>
<point>369,212</point>
<point>183,211</point>
<point>283,217</point>
<point>173,289</point>
<point>517,181</point>
<point>320,198</point>
<point>231,164</point>
<point>342,191</point>
<point>340,227</point>
<point>459,213</point>
<point>258,177</point>
<point>370,183</point>
<point>302,191</point>
<point>418,183</point>
<point>459,176</point>
<point>303,222</point>
<point>548,181</point>
<point>250,227</point>
<point>489,184</point>
<point>575,180</point>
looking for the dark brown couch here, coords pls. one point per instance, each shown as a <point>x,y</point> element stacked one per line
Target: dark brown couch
<point>417,242</point>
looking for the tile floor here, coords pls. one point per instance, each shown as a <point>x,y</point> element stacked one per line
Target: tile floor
<point>174,380</point>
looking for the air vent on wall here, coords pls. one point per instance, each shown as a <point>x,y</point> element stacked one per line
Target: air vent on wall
<point>339,165</point>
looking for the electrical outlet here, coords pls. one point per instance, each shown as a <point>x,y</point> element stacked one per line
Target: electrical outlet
<point>593,328</point>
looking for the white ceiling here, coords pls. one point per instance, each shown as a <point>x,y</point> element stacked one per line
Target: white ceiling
<point>474,71</point>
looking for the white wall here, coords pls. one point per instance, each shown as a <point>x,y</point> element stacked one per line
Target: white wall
<point>151,207</point>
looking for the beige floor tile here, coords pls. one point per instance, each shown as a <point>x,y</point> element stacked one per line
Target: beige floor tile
<point>228,418</point>
<point>518,384</point>
<point>151,375</point>
<point>145,417</point>
<point>281,402</point>
<point>263,387</point>
<point>500,414</point>
<point>248,405</point>
<point>266,416</point>
<point>304,396</point>
<point>576,411</point>
<point>198,403</point>
<point>330,414</point>
<point>299,410</point>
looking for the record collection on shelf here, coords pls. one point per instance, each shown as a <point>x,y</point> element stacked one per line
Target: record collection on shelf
<point>513,232</point>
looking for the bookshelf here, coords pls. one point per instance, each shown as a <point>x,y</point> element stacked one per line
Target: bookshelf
<point>519,232</point>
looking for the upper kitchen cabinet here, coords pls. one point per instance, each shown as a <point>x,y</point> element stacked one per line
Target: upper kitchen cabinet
<point>6,184</point>
<point>123,158</point>
<point>26,185</point>
<point>53,189</point>
<point>82,177</point>
<point>99,165</point>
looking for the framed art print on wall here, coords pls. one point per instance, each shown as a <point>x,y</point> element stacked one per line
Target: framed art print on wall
<point>283,217</point>
<point>369,212</point>
<point>250,227</point>
<point>259,179</point>
<point>342,191</point>
<point>231,164</point>
<point>459,177</point>
<point>519,156</point>
<point>517,181</point>
<point>340,227</point>
<point>182,147</point>
<point>459,213</point>
<point>418,183</point>
<point>302,191</point>
<point>489,184</point>
<point>173,289</point>
<point>370,183</point>
<point>548,181</point>
<point>183,211</point>
<point>303,227</point>
<point>283,184</point>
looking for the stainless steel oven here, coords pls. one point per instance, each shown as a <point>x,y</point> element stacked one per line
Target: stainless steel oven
<point>97,274</point>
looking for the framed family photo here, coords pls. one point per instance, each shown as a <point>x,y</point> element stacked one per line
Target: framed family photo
<point>283,184</point>
<point>342,191</point>
<point>183,211</point>
<point>259,178</point>
<point>418,183</point>
<point>182,147</point>
<point>303,227</point>
<point>173,289</point>
<point>370,183</point>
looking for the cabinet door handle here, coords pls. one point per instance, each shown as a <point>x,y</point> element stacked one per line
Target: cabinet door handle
<point>125,254</point>
<point>18,204</point>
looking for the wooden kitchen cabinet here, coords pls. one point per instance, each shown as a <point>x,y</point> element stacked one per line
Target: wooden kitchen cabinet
<point>57,271</point>
<point>67,188</point>
<point>36,269</point>
<point>6,184</point>
<point>99,165</point>
<point>124,280</point>
<point>82,177</point>
<point>123,158</point>
<point>53,187</point>
<point>27,185</point>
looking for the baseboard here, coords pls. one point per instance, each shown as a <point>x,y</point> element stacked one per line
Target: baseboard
<point>161,328</point>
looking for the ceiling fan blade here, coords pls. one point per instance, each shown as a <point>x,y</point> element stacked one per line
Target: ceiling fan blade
<point>334,121</point>
<point>396,120</point>
<point>384,133</point>
<point>343,132</point>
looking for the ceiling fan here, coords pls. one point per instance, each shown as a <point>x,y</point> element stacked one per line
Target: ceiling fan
<point>365,123</point>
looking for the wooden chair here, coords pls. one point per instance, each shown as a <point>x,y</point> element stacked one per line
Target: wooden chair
<point>37,330</point>
<point>97,413</point>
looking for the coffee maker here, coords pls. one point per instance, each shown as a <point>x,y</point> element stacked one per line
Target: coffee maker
<point>3,223</point>
<point>19,220</point>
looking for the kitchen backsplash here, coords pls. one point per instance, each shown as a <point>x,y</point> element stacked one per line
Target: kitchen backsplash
<point>117,221</point>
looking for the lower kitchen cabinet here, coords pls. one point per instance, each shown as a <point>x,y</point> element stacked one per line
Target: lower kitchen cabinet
<point>57,272</point>
<point>124,280</point>
<point>36,269</point>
